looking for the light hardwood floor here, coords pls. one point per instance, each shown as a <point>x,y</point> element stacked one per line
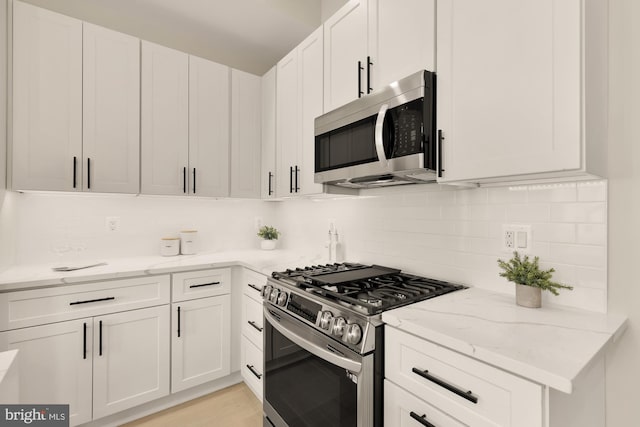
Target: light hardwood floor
<point>234,406</point>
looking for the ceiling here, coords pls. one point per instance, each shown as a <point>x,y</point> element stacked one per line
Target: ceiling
<point>251,35</point>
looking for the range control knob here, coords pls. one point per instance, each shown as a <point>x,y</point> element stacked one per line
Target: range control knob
<point>266,292</point>
<point>354,333</point>
<point>338,325</point>
<point>325,319</point>
<point>274,295</point>
<point>282,299</point>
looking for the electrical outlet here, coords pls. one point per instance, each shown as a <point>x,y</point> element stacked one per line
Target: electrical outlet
<point>257,222</point>
<point>516,237</point>
<point>112,223</point>
<point>509,239</point>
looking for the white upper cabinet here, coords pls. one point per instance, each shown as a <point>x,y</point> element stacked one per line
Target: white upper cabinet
<point>165,120</point>
<point>369,44</point>
<point>512,84</point>
<point>268,189</point>
<point>47,100</point>
<point>209,104</point>
<point>111,111</point>
<point>246,117</point>
<point>287,124</point>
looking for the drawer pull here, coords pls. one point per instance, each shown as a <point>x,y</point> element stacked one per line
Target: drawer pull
<point>92,300</point>
<point>84,340</point>
<point>253,371</point>
<point>100,343</point>
<point>204,284</point>
<point>252,323</point>
<point>254,287</point>
<point>422,419</point>
<point>178,321</point>
<point>464,394</point>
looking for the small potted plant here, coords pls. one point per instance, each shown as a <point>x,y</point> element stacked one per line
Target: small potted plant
<point>529,279</point>
<point>269,236</point>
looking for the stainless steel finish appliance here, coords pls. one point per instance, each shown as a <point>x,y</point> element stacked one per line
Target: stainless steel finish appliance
<point>385,138</point>
<point>323,344</point>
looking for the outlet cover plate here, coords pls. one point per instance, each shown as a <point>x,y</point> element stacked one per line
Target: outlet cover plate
<point>516,237</point>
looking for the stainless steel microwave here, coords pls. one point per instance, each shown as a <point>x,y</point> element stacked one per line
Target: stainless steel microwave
<point>385,138</point>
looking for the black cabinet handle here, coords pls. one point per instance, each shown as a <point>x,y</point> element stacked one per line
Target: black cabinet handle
<point>270,190</point>
<point>290,179</point>
<point>75,171</point>
<point>184,180</point>
<point>194,180</point>
<point>252,323</point>
<point>360,92</point>
<point>439,156</point>
<point>92,300</point>
<point>204,284</point>
<point>422,419</point>
<point>100,339</point>
<point>464,394</point>
<point>178,321</point>
<point>297,171</point>
<point>88,173</point>
<point>369,64</point>
<point>253,371</point>
<point>84,340</point>
<point>254,287</point>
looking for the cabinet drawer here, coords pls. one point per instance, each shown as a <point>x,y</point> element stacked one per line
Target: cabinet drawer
<point>450,381</point>
<point>40,306</point>
<point>252,284</point>
<point>200,284</point>
<point>252,320</point>
<point>252,366</point>
<point>401,409</point>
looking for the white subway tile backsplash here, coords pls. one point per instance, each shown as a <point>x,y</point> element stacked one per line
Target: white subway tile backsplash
<point>579,212</point>
<point>554,232</point>
<point>592,256</point>
<point>487,212</point>
<point>476,196</point>
<point>552,193</point>
<point>528,213</point>
<point>592,234</point>
<point>592,191</point>
<point>506,195</point>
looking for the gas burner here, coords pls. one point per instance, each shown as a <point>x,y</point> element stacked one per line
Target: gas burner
<point>369,299</point>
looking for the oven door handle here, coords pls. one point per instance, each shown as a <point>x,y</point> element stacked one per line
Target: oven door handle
<point>382,157</point>
<point>289,331</point>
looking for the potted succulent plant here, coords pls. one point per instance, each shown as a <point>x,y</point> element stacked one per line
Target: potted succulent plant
<point>529,279</point>
<point>269,236</point>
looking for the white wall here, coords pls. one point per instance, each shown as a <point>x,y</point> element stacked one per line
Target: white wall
<point>623,361</point>
<point>6,241</point>
<point>453,234</point>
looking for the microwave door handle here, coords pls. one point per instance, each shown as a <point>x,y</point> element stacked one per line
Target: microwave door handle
<point>382,158</point>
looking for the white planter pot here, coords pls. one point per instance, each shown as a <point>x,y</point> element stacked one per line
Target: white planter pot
<point>268,245</point>
<point>528,296</point>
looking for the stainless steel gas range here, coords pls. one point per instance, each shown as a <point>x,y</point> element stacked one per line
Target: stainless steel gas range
<point>323,346</point>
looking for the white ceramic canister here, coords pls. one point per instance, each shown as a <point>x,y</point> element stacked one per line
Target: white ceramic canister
<point>169,246</point>
<point>188,242</point>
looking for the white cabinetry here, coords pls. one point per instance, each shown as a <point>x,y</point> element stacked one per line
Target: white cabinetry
<point>251,343</point>
<point>100,347</point>
<point>245,134</point>
<point>47,100</point>
<point>111,111</point>
<point>164,120</point>
<point>268,189</point>
<point>299,101</point>
<point>371,43</point>
<point>200,327</point>
<point>527,98</point>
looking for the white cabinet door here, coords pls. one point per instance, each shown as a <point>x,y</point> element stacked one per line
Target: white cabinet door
<point>201,346</point>
<point>47,100</point>
<point>287,124</point>
<point>164,120</point>
<point>111,111</point>
<point>268,189</point>
<point>402,39</point>
<point>245,134</point>
<point>310,103</point>
<point>509,87</point>
<point>55,365</point>
<point>209,104</point>
<point>252,366</point>
<point>131,359</point>
<point>345,45</point>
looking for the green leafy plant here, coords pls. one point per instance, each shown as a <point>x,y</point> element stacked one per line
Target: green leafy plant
<point>268,233</point>
<point>525,272</point>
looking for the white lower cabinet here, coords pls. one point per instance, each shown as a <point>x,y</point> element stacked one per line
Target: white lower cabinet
<point>252,366</point>
<point>200,341</point>
<point>251,363</point>
<point>56,365</point>
<point>130,359</point>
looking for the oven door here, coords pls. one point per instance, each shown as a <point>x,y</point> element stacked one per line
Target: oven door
<point>311,380</point>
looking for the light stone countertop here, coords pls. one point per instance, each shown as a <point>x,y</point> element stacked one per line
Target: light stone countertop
<point>548,345</point>
<point>40,275</point>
